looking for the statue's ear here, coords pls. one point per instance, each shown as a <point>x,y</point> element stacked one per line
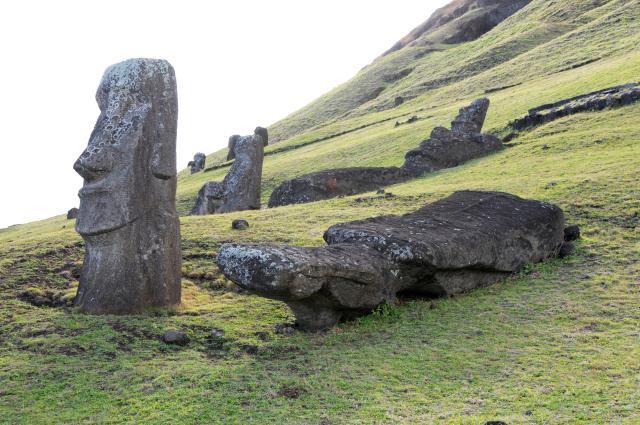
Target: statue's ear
<point>163,155</point>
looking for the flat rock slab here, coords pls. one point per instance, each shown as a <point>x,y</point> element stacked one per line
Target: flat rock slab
<point>466,240</point>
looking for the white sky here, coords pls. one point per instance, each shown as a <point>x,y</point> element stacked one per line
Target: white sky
<point>238,64</point>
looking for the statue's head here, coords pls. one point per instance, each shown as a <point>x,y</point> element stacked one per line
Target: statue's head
<point>131,154</point>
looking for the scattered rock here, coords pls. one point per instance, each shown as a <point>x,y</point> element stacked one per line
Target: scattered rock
<point>127,214</point>
<point>566,249</point>
<point>572,233</point>
<point>495,423</point>
<point>263,336</point>
<point>175,337</point>
<point>72,214</point>
<point>290,391</point>
<point>240,224</point>
<point>217,333</point>
<point>284,329</point>
<point>399,100</point>
<point>198,162</point>
<point>545,147</point>
<point>240,189</point>
<point>466,240</point>
<point>380,192</point>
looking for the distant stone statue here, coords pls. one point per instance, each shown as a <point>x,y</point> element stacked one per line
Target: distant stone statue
<point>198,162</point>
<point>240,189</point>
<point>262,132</point>
<point>72,214</point>
<point>127,214</point>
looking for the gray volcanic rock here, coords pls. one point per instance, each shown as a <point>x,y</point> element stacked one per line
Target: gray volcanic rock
<point>232,145</point>
<point>611,97</point>
<point>264,133</point>
<point>240,224</point>
<point>240,189</point>
<point>445,148</point>
<point>198,162</point>
<point>333,183</point>
<point>72,214</point>
<point>127,214</point>
<point>175,337</point>
<point>449,148</point>
<point>466,240</point>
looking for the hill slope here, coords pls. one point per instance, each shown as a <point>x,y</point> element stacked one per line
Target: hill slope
<point>556,344</point>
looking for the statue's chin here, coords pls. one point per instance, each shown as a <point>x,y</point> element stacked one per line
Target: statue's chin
<point>102,214</point>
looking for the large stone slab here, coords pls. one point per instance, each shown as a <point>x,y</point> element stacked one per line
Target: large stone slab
<point>467,240</point>
<point>127,214</point>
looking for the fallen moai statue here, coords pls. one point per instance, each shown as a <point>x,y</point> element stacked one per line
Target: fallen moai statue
<point>445,148</point>
<point>332,183</point>
<point>198,162</point>
<point>595,101</point>
<point>240,189</point>
<point>467,240</point>
<point>127,215</point>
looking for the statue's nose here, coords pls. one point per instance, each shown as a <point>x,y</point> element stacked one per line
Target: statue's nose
<point>91,166</point>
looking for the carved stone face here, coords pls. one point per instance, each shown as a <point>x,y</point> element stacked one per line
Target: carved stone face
<point>126,158</point>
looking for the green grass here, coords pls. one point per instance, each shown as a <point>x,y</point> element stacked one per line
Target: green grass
<point>558,343</point>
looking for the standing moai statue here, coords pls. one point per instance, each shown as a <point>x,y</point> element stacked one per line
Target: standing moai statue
<point>198,162</point>
<point>240,189</point>
<point>127,215</point>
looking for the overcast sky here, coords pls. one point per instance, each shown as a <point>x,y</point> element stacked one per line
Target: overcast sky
<point>238,64</point>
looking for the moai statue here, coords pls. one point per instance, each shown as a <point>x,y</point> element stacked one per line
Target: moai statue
<point>232,146</point>
<point>262,132</point>
<point>240,189</point>
<point>127,214</point>
<point>198,162</point>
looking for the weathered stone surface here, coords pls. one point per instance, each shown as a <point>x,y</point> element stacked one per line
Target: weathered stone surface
<point>572,233</point>
<point>445,148</point>
<point>198,162</point>
<point>231,145</point>
<point>72,214</point>
<point>264,133</point>
<point>239,224</point>
<point>333,183</point>
<point>611,97</point>
<point>466,240</point>
<point>127,214</point>
<point>449,148</point>
<point>175,337</point>
<point>240,189</point>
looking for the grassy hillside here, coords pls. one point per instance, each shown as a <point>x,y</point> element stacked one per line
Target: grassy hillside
<point>557,344</point>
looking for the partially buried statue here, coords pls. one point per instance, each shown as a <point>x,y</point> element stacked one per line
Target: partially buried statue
<point>127,214</point>
<point>240,189</point>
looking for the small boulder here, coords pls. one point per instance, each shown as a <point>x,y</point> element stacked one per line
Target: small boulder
<point>217,333</point>
<point>72,214</point>
<point>240,224</point>
<point>175,337</point>
<point>571,233</point>
<point>565,250</point>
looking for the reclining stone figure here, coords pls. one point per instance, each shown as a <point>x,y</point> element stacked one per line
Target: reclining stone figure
<point>445,148</point>
<point>240,189</point>
<point>467,240</point>
<point>127,214</point>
